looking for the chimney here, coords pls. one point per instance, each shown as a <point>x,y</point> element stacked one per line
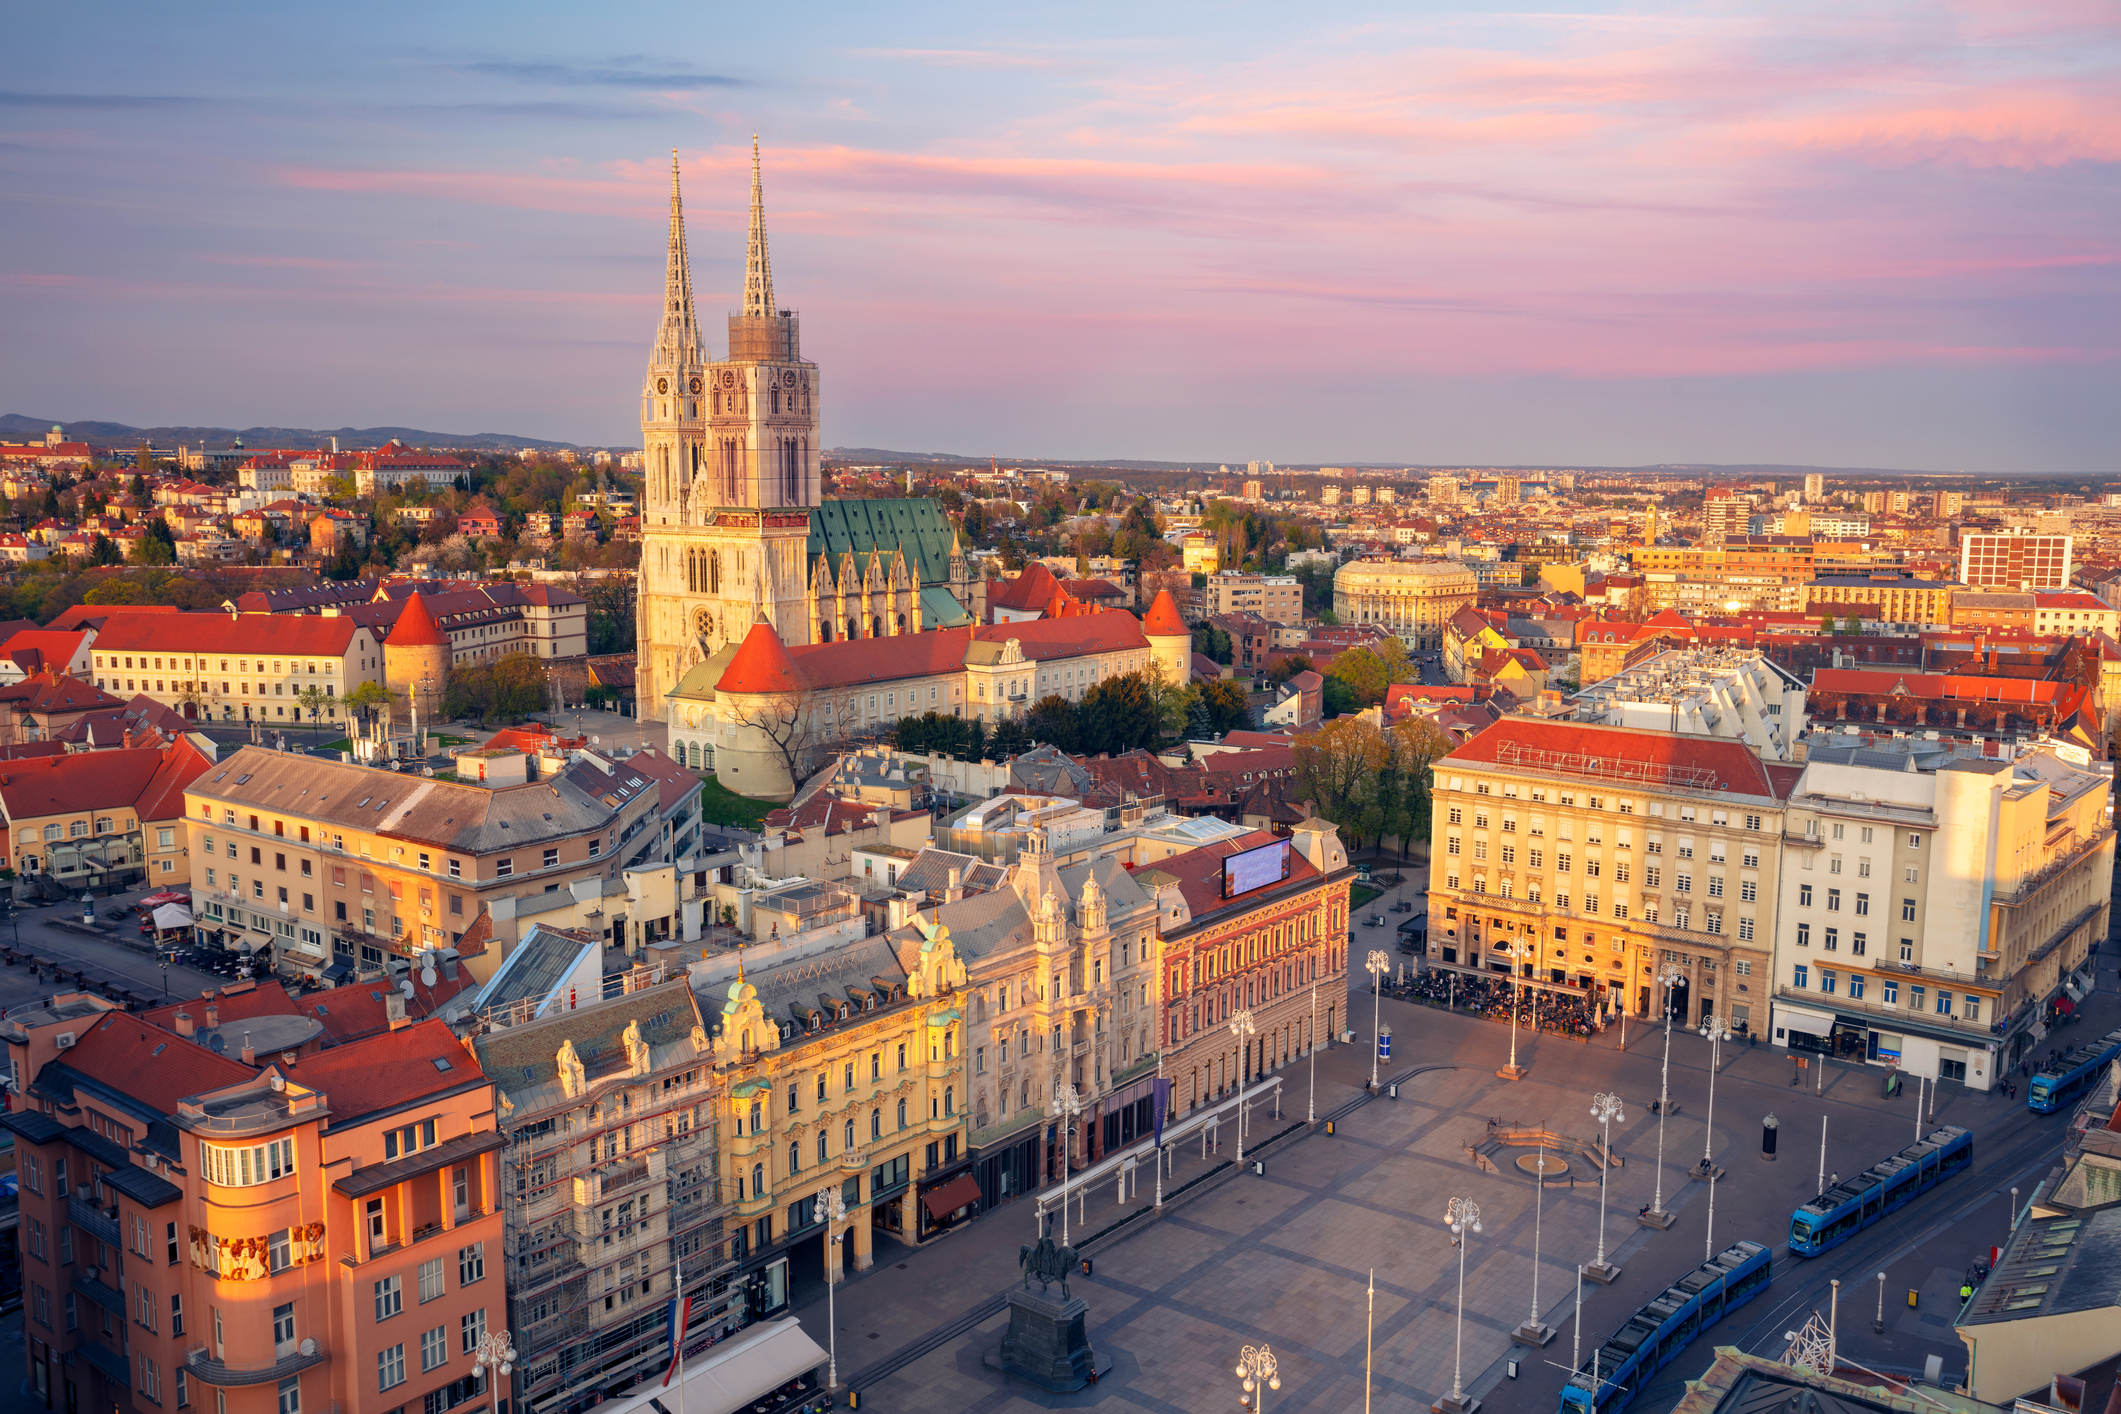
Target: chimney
<point>955,888</point>
<point>250,1056</point>
<point>881,816</point>
<point>185,1025</point>
<point>213,1015</point>
<point>394,1010</point>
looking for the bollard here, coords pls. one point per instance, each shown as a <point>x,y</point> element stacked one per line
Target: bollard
<point>1768,1127</point>
<point>1329,1128</point>
<point>1911,1298</point>
<point>1392,1090</point>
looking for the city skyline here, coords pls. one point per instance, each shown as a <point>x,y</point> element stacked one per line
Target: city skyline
<point>1610,238</point>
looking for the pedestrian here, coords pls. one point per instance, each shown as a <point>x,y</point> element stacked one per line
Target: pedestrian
<point>1833,1180</point>
<point>1966,1292</point>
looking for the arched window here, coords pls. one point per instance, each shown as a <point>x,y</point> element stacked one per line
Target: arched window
<point>758,1181</point>
<point>848,1137</point>
<point>714,571</point>
<point>949,1100</point>
<point>795,1157</point>
<point>876,1124</point>
<point>821,1150</point>
<point>901,1114</point>
<point>854,628</point>
<point>824,631</point>
<point>756,1115</point>
<point>876,626</point>
<point>1023,1100</point>
<point>901,623</point>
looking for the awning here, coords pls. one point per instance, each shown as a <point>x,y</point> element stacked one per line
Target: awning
<point>729,1376</point>
<point>173,915</point>
<point>2064,1005</point>
<point>337,972</point>
<point>166,896</point>
<point>1812,1023</point>
<point>942,1202</point>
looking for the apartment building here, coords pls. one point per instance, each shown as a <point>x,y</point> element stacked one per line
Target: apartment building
<point>1625,868</point>
<point>100,819</point>
<point>1276,598</point>
<point>255,1234</point>
<point>1931,919</point>
<point>1894,598</point>
<point>844,1070</point>
<point>611,1110</point>
<point>337,865</point>
<point>231,667</point>
<point>2014,559</point>
<point>1258,926</point>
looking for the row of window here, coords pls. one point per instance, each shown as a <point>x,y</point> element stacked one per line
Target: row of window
<point>1681,912</point>
<point>78,829</point>
<point>1685,814</point>
<point>390,1291</point>
<point>241,1167</point>
<point>1968,1007</point>
<point>1862,904</point>
<point>434,1350</point>
<point>312,666</point>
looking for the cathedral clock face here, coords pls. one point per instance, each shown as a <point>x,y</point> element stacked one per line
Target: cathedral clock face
<point>695,385</point>
<point>662,385</point>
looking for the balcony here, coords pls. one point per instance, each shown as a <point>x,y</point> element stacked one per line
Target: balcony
<point>214,1372</point>
<point>110,1300</point>
<point>100,1222</point>
<point>1802,841</point>
<point>2026,891</point>
<point>115,1367</point>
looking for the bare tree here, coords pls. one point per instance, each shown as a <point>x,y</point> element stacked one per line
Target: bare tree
<point>800,724</point>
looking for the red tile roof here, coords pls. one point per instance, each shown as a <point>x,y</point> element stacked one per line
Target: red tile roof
<point>1033,589</point>
<point>1200,874</point>
<point>1163,619</point>
<point>415,627</point>
<point>151,1064</point>
<point>762,664</point>
<point>383,1072</point>
<point>1885,682</point>
<point>865,660</point>
<point>52,691</point>
<point>216,632</point>
<point>87,780</point>
<point>1616,756</point>
<point>57,647</point>
<point>163,797</point>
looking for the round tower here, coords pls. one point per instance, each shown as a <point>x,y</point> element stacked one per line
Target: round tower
<point>416,655</point>
<point>1170,641</point>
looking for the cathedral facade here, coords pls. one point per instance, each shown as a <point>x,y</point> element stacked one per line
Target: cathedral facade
<point>731,529</point>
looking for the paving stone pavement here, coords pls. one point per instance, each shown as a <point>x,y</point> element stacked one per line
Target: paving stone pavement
<point>1284,1258</point>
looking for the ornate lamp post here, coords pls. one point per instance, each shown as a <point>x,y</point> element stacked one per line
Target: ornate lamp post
<point>1463,1216</point>
<point>1513,1071</point>
<point>832,1206</point>
<point>1066,1107</point>
<point>1256,1374</point>
<point>493,1351</point>
<point>1605,1108</point>
<point>1657,1217</point>
<point>1377,965</point>
<point>1311,1097</point>
<point>1533,1332</point>
<point>1717,1030</point>
<point>1242,1028</point>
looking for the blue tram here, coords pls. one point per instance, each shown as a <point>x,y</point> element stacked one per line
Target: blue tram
<point>1661,1329</point>
<point>2064,1079</point>
<point>1855,1203</point>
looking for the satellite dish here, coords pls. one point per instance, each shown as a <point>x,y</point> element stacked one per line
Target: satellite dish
<point>309,1347</point>
<point>427,976</point>
<point>406,988</point>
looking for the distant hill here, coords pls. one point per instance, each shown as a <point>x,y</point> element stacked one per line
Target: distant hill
<point>882,455</point>
<point>16,428</point>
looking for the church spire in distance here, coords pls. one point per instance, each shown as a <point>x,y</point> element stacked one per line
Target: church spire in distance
<point>758,271</point>
<point>678,339</point>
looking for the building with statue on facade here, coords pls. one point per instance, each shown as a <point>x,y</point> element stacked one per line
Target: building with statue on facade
<point>735,530</point>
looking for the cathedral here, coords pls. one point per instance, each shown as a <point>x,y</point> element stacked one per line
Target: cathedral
<point>734,527</point>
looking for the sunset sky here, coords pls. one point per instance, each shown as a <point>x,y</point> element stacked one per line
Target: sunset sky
<point>1847,234</point>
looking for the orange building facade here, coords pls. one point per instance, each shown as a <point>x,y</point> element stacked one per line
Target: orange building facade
<point>252,1234</point>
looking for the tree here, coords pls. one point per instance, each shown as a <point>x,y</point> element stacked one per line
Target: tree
<point>157,546</point>
<point>314,700</point>
<point>139,490</point>
<point>363,698</point>
<point>1334,766</point>
<point>1053,720</point>
<point>144,459</point>
<point>1338,699</point>
<point>797,724</point>
<point>1008,740</point>
<point>102,552</point>
<point>1368,672</point>
<point>1223,706</point>
<point>1120,714</point>
<point>1212,643</point>
<point>1288,667</point>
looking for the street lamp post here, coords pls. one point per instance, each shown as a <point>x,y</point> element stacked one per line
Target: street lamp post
<point>1256,1374</point>
<point>1878,1326</point>
<point>495,1353</point>
<point>1066,1106</point>
<point>1532,1332</point>
<point>832,1205</point>
<point>1657,1217</point>
<point>1717,1031</point>
<point>1311,1099</point>
<point>1605,1108</point>
<point>1242,1028</point>
<point>1463,1217</point>
<point>1377,965</point>
<point>1513,1071</point>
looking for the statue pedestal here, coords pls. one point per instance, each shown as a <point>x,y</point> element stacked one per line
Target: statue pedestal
<point>1047,1342</point>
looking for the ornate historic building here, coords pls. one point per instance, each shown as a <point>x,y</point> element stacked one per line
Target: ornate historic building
<point>734,530</point>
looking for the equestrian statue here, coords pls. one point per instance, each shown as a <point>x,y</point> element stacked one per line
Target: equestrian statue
<point>1048,1263</point>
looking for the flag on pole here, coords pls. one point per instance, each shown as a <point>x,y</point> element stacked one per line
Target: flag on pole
<point>680,1313</point>
<point>1160,1106</point>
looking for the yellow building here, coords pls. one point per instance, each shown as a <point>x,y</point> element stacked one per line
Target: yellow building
<point>238,667</point>
<point>1897,600</point>
<point>1202,554</point>
<point>845,1071</point>
<point>338,864</point>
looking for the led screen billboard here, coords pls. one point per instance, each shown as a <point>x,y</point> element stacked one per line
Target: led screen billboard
<point>1255,868</point>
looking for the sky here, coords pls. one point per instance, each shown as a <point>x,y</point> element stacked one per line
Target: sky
<point>1849,233</point>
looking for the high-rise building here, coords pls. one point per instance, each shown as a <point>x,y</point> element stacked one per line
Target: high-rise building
<point>1330,495</point>
<point>1508,491</point>
<point>1724,514</point>
<point>1359,494</point>
<point>1874,503</point>
<point>1255,491</point>
<point>2014,559</point>
<point>1443,490</point>
<point>1814,486</point>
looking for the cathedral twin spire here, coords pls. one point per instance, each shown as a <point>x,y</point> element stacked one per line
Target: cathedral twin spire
<point>678,339</point>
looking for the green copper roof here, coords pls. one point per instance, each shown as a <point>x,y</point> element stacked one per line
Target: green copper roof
<point>920,527</point>
<point>940,609</point>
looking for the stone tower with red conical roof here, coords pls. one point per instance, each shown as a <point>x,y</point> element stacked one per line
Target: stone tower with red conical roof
<point>1170,641</point>
<point>416,655</point>
<point>763,700</point>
